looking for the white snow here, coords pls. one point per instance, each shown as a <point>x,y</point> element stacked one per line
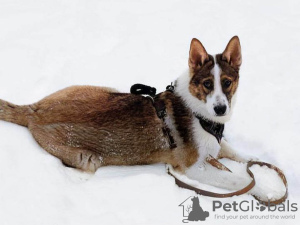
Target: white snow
<point>48,45</point>
<point>268,184</point>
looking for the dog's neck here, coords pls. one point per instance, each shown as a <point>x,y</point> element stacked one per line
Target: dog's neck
<point>215,129</point>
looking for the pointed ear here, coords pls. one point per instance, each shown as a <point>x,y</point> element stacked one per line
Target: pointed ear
<point>233,53</point>
<point>198,54</point>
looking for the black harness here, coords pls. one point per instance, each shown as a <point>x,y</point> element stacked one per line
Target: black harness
<point>159,106</point>
<point>215,129</point>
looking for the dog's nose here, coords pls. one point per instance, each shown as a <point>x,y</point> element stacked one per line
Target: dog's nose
<point>220,110</point>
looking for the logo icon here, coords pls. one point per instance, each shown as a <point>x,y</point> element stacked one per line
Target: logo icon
<point>260,207</point>
<point>192,211</point>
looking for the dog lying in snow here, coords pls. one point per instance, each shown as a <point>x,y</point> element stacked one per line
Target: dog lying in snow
<point>88,127</point>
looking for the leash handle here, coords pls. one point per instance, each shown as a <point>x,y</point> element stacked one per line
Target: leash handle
<point>214,194</point>
<point>241,191</point>
<point>141,89</point>
<point>280,174</point>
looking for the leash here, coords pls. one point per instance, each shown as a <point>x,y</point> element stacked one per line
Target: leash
<point>216,130</point>
<point>244,190</point>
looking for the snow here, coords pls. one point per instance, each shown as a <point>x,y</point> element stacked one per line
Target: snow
<point>48,45</point>
<point>268,183</point>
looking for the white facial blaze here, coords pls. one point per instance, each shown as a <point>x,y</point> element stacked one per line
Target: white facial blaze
<point>217,97</point>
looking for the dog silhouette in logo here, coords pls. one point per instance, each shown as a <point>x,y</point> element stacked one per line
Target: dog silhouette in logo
<point>197,212</point>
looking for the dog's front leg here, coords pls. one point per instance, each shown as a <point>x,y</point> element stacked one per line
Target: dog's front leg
<point>228,152</point>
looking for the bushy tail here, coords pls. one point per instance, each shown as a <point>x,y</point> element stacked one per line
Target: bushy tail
<point>14,113</point>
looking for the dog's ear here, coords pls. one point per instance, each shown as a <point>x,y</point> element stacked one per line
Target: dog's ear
<point>198,54</point>
<point>233,53</point>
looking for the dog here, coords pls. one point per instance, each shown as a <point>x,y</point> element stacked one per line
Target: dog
<point>197,212</point>
<point>88,127</point>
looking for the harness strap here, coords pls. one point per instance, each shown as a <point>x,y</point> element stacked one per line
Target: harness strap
<point>215,129</point>
<point>159,106</point>
<point>141,89</point>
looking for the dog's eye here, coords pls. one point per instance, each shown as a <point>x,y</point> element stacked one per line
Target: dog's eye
<point>227,83</point>
<point>208,84</point>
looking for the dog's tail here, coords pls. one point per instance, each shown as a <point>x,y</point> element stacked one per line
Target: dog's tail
<point>14,113</point>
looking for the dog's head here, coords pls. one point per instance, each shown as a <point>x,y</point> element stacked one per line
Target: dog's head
<point>213,80</point>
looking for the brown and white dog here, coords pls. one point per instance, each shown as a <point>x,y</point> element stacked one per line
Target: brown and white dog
<point>88,127</point>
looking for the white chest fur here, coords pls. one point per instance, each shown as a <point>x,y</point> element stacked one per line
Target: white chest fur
<point>206,143</point>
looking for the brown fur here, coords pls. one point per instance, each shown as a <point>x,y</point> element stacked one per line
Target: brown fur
<point>228,73</point>
<point>199,76</point>
<point>88,127</point>
<point>203,73</point>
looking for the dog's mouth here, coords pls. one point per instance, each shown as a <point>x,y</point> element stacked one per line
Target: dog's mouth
<point>220,116</point>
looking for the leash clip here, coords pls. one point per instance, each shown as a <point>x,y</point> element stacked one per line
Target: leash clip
<point>170,87</point>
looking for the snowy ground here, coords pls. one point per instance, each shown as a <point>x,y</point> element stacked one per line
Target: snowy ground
<point>49,45</point>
